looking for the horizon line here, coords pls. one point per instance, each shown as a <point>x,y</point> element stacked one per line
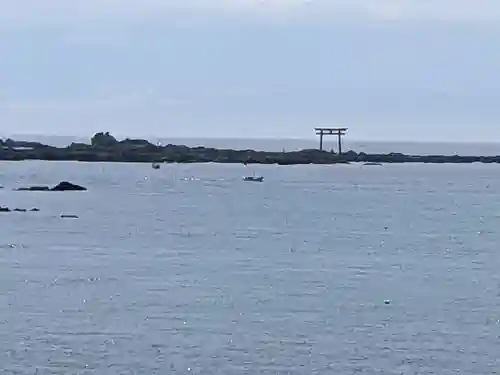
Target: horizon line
<point>256,138</point>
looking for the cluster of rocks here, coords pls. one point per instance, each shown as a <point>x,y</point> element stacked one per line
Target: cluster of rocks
<point>62,186</point>
<point>7,209</point>
<point>106,148</point>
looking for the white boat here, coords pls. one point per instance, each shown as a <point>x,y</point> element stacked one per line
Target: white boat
<point>253,178</point>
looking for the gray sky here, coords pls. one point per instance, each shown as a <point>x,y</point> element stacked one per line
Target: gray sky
<point>387,69</point>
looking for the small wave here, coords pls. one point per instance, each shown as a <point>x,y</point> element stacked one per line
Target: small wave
<point>90,333</point>
<point>12,246</point>
<point>60,281</point>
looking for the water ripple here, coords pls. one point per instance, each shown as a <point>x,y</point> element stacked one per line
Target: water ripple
<point>192,271</point>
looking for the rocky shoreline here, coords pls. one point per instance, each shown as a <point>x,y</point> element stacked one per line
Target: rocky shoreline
<point>103,147</point>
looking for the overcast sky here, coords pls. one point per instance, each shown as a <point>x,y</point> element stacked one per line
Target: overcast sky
<point>387,69</point>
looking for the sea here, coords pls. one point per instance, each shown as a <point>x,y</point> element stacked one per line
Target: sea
<point>188,269</point>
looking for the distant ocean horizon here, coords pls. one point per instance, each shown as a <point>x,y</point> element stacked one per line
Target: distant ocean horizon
<point>293,144</point>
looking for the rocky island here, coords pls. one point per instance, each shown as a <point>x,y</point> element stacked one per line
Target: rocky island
<point>103,147</point>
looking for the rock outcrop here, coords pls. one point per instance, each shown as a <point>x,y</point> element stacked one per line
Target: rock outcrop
<point>67,186</point>
<point>62,186</point>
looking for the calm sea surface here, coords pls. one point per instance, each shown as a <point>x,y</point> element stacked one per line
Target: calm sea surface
<point>190,270</point>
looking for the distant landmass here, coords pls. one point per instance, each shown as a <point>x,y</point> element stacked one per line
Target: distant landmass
<point>104,147</point>
<point>295,144</point>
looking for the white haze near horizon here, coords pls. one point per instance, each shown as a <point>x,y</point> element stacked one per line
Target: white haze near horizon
<point>387,69</point>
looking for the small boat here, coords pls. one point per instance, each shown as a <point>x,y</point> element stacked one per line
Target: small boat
<point>254,178</point>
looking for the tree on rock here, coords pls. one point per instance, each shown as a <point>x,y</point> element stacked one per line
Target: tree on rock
<point>103,140</point>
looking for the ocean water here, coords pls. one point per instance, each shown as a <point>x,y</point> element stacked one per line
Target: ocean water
<point>190,270</point>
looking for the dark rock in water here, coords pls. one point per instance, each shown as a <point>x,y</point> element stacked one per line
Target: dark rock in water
<point>7,209</point>
<point>34,188</point>
<point>68,186</point>
<point>68,216</point>
<point>62,186</point>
